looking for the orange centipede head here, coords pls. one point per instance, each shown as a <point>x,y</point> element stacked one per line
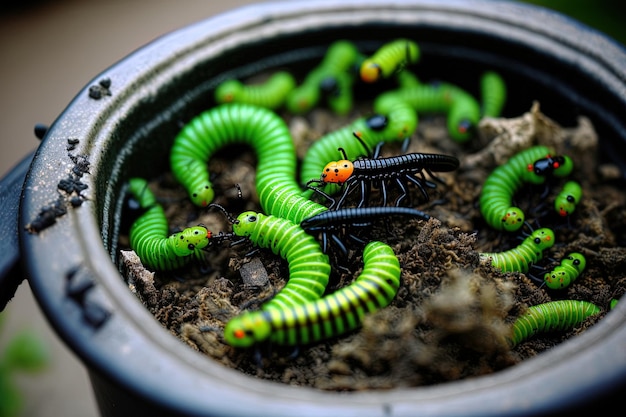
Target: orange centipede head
<point>337,172</point>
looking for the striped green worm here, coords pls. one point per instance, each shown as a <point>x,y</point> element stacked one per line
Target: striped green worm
<point>150,239</point>
<point>338,92</point>
<point>406,79</point>
<point>463,116</point>
<point>332,78</point>
<point>332,315</point>
<point>396,111</point>
<point>551,316</point>
<point>309,267</point>
<point>566,272</point>
<point>521,257</point>
<point>568,198</point>
<point>493,94</point>
<point>532,165</point>
<point>305,96</point>
<point>461,108</point>
<point>270,94</point>
<point>227,124</point>
<point>283,202</point>
<point>268,135</point>
<point>389,59</point>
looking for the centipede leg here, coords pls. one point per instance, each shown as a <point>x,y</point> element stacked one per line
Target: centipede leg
<point>405,144</point>
<point>366,190</point>
<point>433,176</point>
<point>537,279</point>
<point>356,239</point>
<point>325,242</point>
<point>405,193</point>
<point>346,191</point>
<point>340,244</point>
<point>383,190</point>
<point>377,149</point>
<point>420,185</point>
<point>319,191</point>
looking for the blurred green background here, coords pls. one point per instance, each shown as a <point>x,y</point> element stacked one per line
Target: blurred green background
<point>608,16</point>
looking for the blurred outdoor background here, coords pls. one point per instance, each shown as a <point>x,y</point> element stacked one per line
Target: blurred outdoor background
<point>50,50</point>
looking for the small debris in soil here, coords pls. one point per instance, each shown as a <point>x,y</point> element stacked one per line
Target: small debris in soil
<point>453,312</point>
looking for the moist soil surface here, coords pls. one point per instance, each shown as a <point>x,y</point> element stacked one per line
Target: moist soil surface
<point>452,315</point>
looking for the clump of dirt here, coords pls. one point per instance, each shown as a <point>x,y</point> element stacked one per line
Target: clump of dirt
<point>452,315</point>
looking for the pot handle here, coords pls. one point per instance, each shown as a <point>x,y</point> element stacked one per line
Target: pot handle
<point>10,192</point>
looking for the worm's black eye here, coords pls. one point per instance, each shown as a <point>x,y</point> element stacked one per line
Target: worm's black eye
<point>329,86</point>
<point>376,122</point>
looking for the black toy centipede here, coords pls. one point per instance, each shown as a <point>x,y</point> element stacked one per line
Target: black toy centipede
<point>335,224</point>
<point>401,169</point>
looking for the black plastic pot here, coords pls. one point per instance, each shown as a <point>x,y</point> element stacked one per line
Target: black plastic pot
<point>123,124</point>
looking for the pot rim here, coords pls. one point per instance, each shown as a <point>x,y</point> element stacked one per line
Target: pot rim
<point>76,283</point>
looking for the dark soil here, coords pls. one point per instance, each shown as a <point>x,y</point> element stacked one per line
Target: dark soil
<point>452,314</point>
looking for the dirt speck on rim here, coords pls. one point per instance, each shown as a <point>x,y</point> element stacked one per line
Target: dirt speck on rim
<point>452,315</point>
